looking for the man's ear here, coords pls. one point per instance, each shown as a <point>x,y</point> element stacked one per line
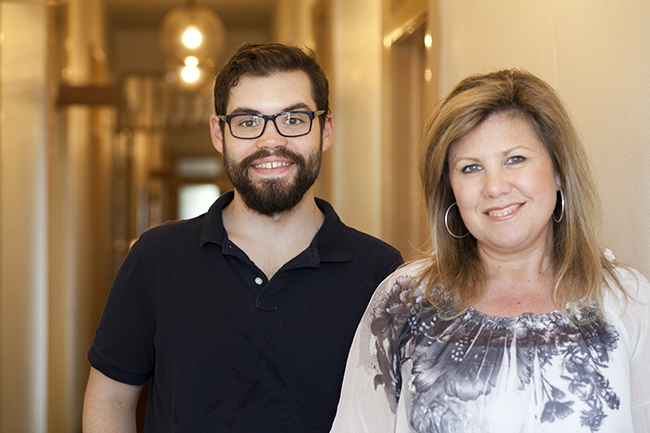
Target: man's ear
<point>216,133</point>
<point>328,132</point>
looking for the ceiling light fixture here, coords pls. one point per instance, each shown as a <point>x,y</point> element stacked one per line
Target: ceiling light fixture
<point>191,31</point>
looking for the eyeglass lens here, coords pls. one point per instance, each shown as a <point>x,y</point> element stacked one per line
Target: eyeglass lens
<point>288,124</point>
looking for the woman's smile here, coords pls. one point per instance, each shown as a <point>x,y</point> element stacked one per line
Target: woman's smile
<point>503,213</point>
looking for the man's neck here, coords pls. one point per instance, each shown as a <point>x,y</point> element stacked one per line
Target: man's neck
<point>271,241</point>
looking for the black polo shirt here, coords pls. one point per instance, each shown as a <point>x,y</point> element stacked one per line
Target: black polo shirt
<point>227,349</point>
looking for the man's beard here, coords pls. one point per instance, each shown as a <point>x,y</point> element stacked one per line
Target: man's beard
<point>273,196</point>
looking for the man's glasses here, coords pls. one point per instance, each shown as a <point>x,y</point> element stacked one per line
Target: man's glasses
<point>289,124</point>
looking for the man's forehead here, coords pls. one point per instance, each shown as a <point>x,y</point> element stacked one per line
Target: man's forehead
<point>277,90</point>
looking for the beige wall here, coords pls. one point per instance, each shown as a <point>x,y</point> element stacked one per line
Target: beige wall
<point>293,24</point>
<point>596,55</point>
<point>50,211</point>
<point>23,220</point>
<point>356,95</point>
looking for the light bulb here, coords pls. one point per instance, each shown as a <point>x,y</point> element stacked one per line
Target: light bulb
<point>191,61</point>
<point>190,74</point>
<point>191,31</point>
<point>192,37</point>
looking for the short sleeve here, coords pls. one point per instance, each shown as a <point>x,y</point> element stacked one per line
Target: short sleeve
<point>123,346</point>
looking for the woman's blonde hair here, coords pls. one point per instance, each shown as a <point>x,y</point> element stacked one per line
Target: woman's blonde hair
<point>455,269</point>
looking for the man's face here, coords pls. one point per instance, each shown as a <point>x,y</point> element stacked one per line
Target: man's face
<point>272,173</point>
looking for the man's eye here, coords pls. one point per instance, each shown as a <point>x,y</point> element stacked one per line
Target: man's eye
<point>471,168</point>
<point>293,119</point>
<point>249,122</point>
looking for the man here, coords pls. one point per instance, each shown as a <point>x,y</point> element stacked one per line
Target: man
<point>242,318</point>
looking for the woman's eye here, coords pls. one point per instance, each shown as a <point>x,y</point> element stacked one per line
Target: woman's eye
<point>471,168</point>
<point>515,159</point>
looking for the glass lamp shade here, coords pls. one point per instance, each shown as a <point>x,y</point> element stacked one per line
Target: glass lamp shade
<point>191,31</point>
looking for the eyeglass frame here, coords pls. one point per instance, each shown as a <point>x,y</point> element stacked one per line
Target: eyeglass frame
<point>312,115</point>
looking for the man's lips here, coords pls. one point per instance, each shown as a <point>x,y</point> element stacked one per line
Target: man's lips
<point>504,212</point>
<point>271,160</point>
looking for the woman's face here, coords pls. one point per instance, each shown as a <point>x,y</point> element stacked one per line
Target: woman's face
<point>505,186</point>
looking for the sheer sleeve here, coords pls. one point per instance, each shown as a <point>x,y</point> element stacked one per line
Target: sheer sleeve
<point>636,320</point>
<point>372,382</point>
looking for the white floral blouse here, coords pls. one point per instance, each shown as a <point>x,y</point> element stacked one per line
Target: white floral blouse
<point>411,371</point>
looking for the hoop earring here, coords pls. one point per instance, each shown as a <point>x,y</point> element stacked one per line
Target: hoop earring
<point>557,220</point>
<point>447,223</point>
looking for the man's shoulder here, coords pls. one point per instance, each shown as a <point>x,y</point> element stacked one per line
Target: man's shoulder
<point>173,233</point>
<point>332,220</point>
<point>369,251</point>
<point>361,245</point>
<point>364,240</point>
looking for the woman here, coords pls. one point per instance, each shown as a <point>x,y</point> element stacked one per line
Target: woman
<point>518,321</point>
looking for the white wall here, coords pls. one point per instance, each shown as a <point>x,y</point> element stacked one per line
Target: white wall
<point>23,220</point>
<point>596,54</point>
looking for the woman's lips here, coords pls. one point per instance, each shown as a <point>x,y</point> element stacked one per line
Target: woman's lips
<point>503,212</point>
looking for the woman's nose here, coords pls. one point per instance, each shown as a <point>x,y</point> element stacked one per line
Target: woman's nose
<point>496,183</point>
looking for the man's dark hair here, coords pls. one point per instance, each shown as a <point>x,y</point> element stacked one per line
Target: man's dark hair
<point>260,60</point>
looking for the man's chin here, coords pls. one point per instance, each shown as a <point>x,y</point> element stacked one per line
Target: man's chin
<point>264,183</point>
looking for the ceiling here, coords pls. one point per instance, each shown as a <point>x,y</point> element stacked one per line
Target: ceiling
<point>149,13</point>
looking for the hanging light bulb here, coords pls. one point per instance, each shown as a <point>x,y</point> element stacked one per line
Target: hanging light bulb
<point>191,61</point>
<point>191,31</point>
<point>190,74</point>
<point>192,37</point>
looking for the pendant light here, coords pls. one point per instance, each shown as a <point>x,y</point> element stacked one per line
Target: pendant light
<point>191,35</point>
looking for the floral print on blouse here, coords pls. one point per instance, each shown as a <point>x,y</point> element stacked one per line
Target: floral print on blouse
<point>477,373</point>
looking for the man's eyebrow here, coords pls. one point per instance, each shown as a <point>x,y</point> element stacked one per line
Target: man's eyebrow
<point>247,110</point>
<point>298,106</point>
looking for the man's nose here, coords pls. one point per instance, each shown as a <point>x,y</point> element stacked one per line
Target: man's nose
<point>270,137</point>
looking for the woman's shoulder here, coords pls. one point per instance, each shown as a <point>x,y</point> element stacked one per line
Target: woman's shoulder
<point>632,282</point>
<point>630,295</point>
<point>405,277</point>
<point>412,269</point>
<point>402,288</point>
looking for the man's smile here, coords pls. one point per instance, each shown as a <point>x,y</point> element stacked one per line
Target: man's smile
<point>271,165</point>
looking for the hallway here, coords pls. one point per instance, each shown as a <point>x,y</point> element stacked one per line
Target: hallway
<point>81,178</point>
